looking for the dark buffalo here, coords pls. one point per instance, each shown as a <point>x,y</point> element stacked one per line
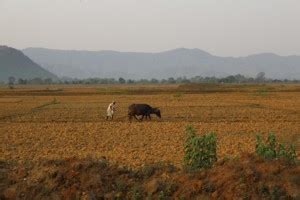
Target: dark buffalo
<point>142,109</point>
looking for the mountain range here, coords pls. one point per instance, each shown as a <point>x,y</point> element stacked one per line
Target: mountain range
<point>174,63</point>
<point>14,63</point>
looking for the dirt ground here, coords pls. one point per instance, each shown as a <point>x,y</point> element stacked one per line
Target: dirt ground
<point>58,122</point>
<point>42,124</point>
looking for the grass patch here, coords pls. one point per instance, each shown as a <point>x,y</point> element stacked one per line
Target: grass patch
<point>178,95</point>
<point>262,91</point>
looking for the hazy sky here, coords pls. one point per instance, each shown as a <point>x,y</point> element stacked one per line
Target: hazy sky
<point>221,27</point>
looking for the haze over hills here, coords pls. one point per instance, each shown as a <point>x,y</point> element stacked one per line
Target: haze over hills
<point>14,63</point>
<point>174,63</point>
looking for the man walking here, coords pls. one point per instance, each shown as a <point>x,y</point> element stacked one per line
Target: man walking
<point>110,110</point>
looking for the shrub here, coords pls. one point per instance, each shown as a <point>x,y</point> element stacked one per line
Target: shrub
<point>148,170</point>
<point>271,149</point>
<point>120,185</point>
<point>162,196</point>
<point>167,188</point>
<point>267,149</point>
<point>199,151</point>
<point>136,192</point>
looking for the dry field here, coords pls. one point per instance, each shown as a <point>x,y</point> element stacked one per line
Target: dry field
<point>56,122</point>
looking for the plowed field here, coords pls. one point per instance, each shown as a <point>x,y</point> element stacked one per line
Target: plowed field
<point>57,122</point>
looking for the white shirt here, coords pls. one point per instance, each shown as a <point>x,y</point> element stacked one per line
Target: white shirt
<point>110,109</point>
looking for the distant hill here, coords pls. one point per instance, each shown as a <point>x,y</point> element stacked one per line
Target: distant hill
<point>173,63</point>
<point>14,63</point>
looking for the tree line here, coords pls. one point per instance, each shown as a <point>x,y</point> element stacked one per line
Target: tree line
<point>260,78</point>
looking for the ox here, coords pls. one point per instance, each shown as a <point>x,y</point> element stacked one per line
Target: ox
<point>142,109</point>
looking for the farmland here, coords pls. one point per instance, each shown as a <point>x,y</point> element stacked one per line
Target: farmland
<point>55,122</point>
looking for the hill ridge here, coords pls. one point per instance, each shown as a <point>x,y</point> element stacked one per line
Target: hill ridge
<point>171,63</point>
<point>15,63</point>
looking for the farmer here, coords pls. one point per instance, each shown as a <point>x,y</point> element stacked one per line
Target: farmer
<point>110,110</point>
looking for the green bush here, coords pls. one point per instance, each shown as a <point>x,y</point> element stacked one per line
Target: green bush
<point>199,151</point>
<point>271,149</point>
<point>136,192</point>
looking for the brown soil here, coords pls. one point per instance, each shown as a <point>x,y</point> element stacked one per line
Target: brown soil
<point>42,127</point>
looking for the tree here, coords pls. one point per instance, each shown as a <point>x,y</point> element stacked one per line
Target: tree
<point>154,80</point>
<point>11,80</point>
<point>240,78</point>
<point>130,81</point>
<point>143,81</point>
<point>37,81</point>
<point>122,80</point>
<point>164,81</point>
<point>48,81</point>
<point>185,80</point>
<point>197,79</point>
<point>260,77</point>
<point>171,80</point>
<point>229,79</point>
<point>22,81</point>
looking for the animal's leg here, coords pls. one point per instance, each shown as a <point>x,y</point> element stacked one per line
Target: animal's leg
<point>142,118</point>
<point>149,116</point>
<point>136,118</point>
<point>130,118</point>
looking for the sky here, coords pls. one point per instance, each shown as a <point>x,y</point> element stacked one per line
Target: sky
<point>220,27</point>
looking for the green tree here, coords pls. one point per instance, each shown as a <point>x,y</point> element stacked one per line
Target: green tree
<point>11,80</point>
<point>171,80</point>
<point>154,80</point>
<point>22,81</point>
<point>48,81</point>
<point>122,80</point>
<point>260,77</point>
<point>130,81</point>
